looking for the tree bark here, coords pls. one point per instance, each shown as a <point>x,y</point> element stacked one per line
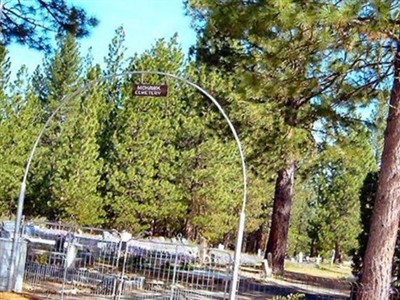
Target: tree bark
<point>227,240</point>
<point>189,229</point>
<point>313,249</point>
<point>283,199</point>
<point>338,259</point>
<point>254,241</point>
<point>378,259</point>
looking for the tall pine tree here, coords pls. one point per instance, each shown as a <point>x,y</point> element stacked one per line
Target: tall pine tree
<point>21,120</point>
<point>74,164</point>
<point>295,64</point>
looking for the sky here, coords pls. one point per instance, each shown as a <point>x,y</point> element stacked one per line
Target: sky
<point>144,22</point>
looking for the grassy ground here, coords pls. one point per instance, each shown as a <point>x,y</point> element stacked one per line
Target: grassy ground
<point>325,278</point>
<point>323,270</point>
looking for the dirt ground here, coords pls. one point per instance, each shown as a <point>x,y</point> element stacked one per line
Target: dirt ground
<point>12,296</point>
<point>331,282</point>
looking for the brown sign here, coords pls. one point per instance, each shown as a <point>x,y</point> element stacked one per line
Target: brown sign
<point>150,90</point>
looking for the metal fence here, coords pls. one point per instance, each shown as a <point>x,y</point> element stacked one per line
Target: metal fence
<point>69,262</point>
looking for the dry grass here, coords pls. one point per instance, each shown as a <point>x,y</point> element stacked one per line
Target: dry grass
<point>13,296</point>
<point>324,270</point>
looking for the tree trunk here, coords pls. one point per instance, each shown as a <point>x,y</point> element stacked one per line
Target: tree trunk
<point>283,199</point>
<point>378,259</point>
<point>227,240</point>
<point>189,230</point>
<point>254,241</point>
<point>313,249</point>
<point>338,259</point>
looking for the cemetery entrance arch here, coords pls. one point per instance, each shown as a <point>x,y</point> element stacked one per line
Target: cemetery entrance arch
<point>90,85</point>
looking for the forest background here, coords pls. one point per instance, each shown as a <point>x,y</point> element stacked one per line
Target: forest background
<point>307,92</point>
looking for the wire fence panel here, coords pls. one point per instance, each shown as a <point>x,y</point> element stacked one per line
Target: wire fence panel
<point>67,262</point>
<point>175,266</point>
<point>64,259</point>
<point>86,262</point>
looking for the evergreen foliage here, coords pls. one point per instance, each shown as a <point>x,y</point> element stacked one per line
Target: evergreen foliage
<point>109,158</point>
<point>337,179</point>
<point>164,166</point>
<point>32,22</point>
<point>301,71</point>
<point>21,118</point>
<point>293,75</point>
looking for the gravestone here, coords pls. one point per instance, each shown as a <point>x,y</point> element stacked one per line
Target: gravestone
<point>319,259</point>
<point>301,257</point>
<point>259,253</point>
<point>333,253</point>
<point>266,271</point>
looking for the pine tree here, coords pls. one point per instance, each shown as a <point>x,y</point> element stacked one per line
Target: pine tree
<point>63,70</point>
<point>115,64</point>
<point>31,23</point>
<point>78,177</point>
<point>173,171</point>
<point>74,169</point>
<point>144,195</point>
<point>39,84</point>
<point>214,164</point>
<point>288,59</point>
<point>302,212</point>
<point>21,120</point>
<point>337,179</point>
<point>377,263</point>
<point>6,114</point>
<point>61,73</point>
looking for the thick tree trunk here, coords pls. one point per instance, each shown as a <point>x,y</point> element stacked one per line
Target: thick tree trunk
<point>283,199</point>
<point>378,259</point>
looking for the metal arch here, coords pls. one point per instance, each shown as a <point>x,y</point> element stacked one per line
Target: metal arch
<point>89,85</point>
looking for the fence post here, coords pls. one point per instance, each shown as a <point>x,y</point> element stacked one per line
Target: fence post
<point>66,252</point>
<point>174,273</point>
<point>116,266</point>
<point>121,281</point>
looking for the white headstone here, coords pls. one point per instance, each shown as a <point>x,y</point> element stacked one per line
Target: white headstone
<point>266,270</point>
<point>301,257</point>
<point>125,236</point>
<point>259,253</point>
<point>71,254</point>
<point>333,256</point>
